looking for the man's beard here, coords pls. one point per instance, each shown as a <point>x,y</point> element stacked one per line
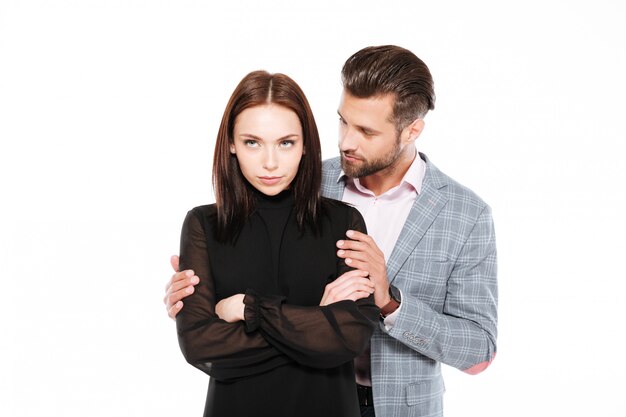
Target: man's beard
<point>369,167</point>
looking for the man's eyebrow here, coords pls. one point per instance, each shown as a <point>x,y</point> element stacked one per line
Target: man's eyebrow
<point>363,128</point>
<point>369,130</point>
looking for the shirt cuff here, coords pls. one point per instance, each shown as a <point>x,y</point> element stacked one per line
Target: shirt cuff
<point>390,320</point>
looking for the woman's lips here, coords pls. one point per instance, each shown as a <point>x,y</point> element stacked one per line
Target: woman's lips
<point>270,180</point>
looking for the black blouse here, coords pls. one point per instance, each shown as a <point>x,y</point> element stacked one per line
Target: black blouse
<point>290,357</point>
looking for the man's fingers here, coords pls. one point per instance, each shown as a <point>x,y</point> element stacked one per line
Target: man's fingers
<point>184,283</point>
<point>355,263</point>
<point>361,256</point>
<point>174,262</point>
<point>173,310</point>
<point>352,245</point>
<point>187,275</point>
<point>361,237</point>
<point>175,296</point>
<point>178,287</point>
<point>359,241</point>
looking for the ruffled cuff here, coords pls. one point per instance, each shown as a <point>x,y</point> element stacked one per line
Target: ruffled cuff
<point>251,313</point>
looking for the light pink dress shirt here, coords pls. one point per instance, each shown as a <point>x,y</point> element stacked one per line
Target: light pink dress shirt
<point>384,216</point>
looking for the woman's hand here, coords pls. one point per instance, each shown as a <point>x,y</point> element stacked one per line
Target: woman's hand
<point>231,309</point>
<point>353,285</point>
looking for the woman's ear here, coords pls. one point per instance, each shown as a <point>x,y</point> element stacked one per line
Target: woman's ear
<point>232,149</point>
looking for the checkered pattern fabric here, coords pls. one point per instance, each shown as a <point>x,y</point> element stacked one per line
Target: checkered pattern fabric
<point>444,263</point>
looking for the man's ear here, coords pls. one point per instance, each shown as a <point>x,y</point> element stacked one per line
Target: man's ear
<point>414,130</point>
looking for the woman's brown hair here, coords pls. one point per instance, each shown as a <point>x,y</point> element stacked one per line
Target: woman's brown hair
<point>234,195</point>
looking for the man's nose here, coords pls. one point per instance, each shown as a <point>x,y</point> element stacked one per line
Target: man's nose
<point>348,139</point>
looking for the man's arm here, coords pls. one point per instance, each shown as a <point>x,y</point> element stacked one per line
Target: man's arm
<point>464,334</point>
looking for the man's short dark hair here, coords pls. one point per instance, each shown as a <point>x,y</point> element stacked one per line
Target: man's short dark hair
<point>379,70</point>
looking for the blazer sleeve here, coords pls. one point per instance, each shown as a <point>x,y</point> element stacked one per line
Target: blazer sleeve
<point>316,336</point>
<point>464,334</point>
<point>222,350</point>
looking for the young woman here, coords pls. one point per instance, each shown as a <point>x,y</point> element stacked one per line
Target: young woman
<point>260,322</point>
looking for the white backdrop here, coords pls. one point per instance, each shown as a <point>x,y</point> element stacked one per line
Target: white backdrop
<point>108,112</point>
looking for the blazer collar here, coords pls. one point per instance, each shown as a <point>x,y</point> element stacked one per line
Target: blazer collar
<point>423,213</point>
<point>334,185</point>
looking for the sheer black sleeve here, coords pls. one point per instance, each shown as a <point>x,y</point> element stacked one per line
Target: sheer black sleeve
<point>319,336</point>
<point>222,350</point>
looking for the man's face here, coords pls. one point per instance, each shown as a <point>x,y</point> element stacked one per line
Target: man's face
<point>368,140</point>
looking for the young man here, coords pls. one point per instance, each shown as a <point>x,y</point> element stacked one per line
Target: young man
<point>430,251</point>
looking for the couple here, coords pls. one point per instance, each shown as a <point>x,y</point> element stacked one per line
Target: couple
<point>286,286</point>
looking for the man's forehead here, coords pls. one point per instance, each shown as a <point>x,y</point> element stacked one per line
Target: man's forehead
<point>377,107</point>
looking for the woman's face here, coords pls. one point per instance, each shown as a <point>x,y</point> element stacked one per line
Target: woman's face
<point>268,143</point>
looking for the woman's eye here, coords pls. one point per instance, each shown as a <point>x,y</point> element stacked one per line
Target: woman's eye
<point>286,143</point>
<point>250,143</point>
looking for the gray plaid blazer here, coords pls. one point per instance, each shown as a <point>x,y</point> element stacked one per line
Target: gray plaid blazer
<point>444,262</point>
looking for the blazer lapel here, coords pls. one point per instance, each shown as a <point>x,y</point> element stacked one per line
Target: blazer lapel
<point>425,209</point>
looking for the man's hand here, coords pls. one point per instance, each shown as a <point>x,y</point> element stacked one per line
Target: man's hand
<point>231,309</point>
<point>178,287</point>
<point>353,285</point>
<point>361,252</point>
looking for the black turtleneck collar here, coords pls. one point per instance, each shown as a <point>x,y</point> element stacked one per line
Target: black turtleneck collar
<point>280,200</point>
